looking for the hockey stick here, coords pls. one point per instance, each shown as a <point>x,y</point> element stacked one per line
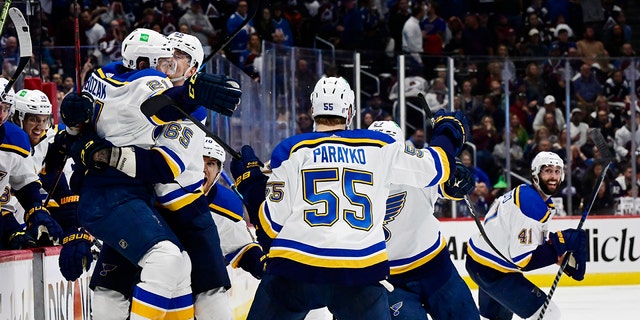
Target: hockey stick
<point>152,105</point>
<point>24,39</point>
<point>601,145</point>
<point>76,34</point>
<point>254,8</point>
<point>3,16</point>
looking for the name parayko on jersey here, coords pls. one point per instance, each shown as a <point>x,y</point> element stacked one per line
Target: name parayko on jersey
<point>339,154</point>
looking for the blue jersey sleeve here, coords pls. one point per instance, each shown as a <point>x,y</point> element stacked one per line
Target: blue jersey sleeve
<point>530,203</point>
<point>227,204</point>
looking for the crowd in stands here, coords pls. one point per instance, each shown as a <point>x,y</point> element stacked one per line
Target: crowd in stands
<point>523,44</point>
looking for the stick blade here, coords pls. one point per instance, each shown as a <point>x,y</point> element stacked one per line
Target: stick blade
<point>22,30</point>
<point>601,144</point>
<point>154,104</point>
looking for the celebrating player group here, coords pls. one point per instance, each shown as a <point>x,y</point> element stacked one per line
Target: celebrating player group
<point>344,219</point>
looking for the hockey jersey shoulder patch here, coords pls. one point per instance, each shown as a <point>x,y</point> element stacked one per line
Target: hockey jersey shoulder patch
<point>15,140</point>
<point>530,203</point>
<point>227,204</point>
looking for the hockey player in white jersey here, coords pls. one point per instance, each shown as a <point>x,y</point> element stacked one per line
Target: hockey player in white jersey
<point>114,206</point>
<point>422,273</point>
<point>321,222</point>
<point>238,246</point>
<point>18,174</point>
<point>517,226</point>
<point>180,202</point>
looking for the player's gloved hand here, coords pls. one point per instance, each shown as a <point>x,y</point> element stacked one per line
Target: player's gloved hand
<point>75,256</point>
<point>41,226</point>
<point>574,241</point>
<point>84,151</point>
<point>461,182</point>
<point>21,240</point>
<point>453,125</point>
<point>246,168</point>
<point>215,92</point>
<point>75,110</point>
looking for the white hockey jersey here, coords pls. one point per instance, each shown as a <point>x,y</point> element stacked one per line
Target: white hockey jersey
<point>16,164</point>
<point>121,122</point>
<point>516,223</point>
<point>181,143</point>
<point>411,230</point>
<point>326,201</point>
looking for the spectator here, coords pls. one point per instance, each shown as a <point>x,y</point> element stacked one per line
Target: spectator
<point>417,140</point>
<point>305,80</point>
<point>590,49</point>
<point>200,26</point>
<point>350,29</point>
<point>586,88</point>
<point>264,24</point>
<point>435,29</point>
<point>110,45</point>
<point>10,53</point>
<point>622,185</point>
<point>148,20</point>
<point>467,99</point>
<point>68,85</point>
<point>375,108</point>
<point>412,37</point>
<point>45,72</point>
<point>239,42</point>
<point>479,175</point>
<point>533,83</point>
<point>578,128</point>
<point>168,18</point>
<point>562,42</point>
<point>374,27</point>
<point>500,152</point>
<point>532,147</point>
<point>279,22</point>
<point>399,13</point>
<point>534,46</point>
<point>602,121</point>
<point>476,40</point>
<point>304,123</point>
<point>623,136</point>
<point>613,41</point>
<point>437,97</point>
<point>521,135</point>
<point>116,12</point>
<point>248,57</point>
<point>616,88</point>
<point>93,30</point>
<point>509,68</point>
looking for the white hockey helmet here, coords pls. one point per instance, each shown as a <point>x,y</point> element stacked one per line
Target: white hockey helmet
<point>213,150</point>
<point>190,45</point>
<point>390,128</point>
<point>145,43</point>
<point>332,97</point>
<point>32,102</point>
<point>9,98</point>
<point>543,159</point>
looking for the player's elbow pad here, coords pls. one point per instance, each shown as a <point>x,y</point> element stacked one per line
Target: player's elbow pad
<point>543,256</point>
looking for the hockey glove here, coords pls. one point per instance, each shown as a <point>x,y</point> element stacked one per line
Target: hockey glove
<point>246,168</point>
<point>75,110</point>
<point>21,240</point>
<point>41,226</point>
<point>575,242</point>
<point>75,256</point>
<point>58,150</point>
<point>452,125</point>
<point>461,183</point>
<point>85,151</point>
<point>215,92</point>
